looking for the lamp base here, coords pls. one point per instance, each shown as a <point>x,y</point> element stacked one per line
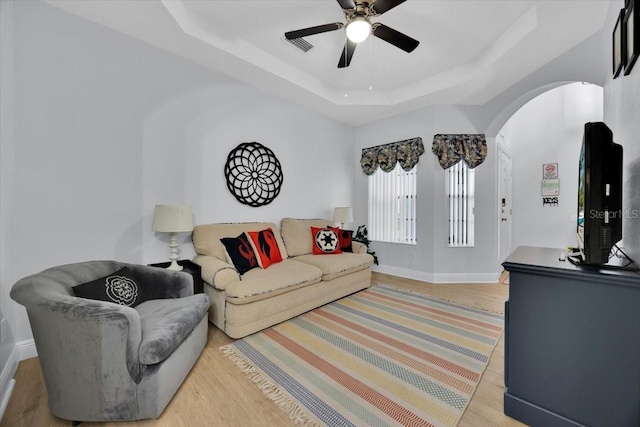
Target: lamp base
<point>173,252</point>
<point>174,266</point>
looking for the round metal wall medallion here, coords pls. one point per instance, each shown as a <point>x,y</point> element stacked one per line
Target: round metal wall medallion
<point>254,175</point>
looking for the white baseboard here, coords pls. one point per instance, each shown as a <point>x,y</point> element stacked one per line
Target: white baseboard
<point>6,379</point>
<point>404,272</point>
<point>438,277</point>
<point>467,278</point>
<point>6,397</point>
<point>27,349</point>
<point>23,350</point>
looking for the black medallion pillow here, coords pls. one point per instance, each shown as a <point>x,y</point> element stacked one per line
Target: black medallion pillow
<point>121,287</point>
<point>240,253</point>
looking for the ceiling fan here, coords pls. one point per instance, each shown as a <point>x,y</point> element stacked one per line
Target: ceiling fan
<point>359,26</point>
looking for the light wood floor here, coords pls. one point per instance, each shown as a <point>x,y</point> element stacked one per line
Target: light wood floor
<point>216,393</point>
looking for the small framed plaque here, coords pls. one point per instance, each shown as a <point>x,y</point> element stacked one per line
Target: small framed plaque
<point>632,36</point>
<point>618,45</point>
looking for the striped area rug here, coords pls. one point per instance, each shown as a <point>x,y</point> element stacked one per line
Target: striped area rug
<point>380,357</point>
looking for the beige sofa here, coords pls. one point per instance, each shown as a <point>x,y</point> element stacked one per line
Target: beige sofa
<point>242,305</point>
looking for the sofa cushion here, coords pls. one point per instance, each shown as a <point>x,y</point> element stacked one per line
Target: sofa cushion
<point>333,266</point>
<point>206,238</point>
<point>265,246</point>
<point>296,235</point>
<point>240,252</point>
<point>258,284</point>
<point>166,323</point>
<point>325,241</point>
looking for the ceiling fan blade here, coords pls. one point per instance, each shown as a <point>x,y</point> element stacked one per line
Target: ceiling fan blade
<point>381,6</point>
<point>290,35</point>
<point>347,53</point>
<point>347,4</point>
<point>396,38</point>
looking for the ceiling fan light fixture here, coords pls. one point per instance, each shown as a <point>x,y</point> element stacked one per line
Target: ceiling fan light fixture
<point>358,29</point>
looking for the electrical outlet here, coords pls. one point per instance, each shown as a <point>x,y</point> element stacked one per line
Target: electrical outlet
<point>2,325</point>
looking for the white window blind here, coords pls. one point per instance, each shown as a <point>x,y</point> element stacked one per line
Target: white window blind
<point>460,189</point>
<point>392,206</point>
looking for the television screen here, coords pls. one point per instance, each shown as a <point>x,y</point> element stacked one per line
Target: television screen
<point>599,219</point>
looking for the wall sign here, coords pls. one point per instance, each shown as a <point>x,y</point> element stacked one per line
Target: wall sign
<point>550,171</point>
<point>550,184</point>
<point>254,175</point>
<point>550,187</point>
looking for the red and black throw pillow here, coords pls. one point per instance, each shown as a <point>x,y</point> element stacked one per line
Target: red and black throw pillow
<point>345,237</point>
<point>240,253</point>
<point>265,245</point>
<point>325,240</point>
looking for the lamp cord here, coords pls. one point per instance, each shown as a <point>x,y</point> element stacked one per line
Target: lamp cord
<point>370,62</point>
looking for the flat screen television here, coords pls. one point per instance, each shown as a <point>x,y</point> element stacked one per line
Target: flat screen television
<point>599,194</point>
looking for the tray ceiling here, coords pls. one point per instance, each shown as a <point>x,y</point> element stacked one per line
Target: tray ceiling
<point>469,51</point>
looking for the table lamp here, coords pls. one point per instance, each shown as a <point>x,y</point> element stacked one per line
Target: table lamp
<point>172,220</point>
<point>342,215</point>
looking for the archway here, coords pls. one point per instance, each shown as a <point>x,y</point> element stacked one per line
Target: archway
<point>545,127</point>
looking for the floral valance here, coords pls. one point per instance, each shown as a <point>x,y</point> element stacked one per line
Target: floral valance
<point>406,152</point>
<point>450,149</point>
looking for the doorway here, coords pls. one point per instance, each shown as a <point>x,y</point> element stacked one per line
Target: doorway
<point>504,202</point>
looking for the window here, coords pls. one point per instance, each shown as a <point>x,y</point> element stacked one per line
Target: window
<point>460,190</point>
<point>392,206</point>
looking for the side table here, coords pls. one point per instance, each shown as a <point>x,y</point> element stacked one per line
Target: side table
<point>190,267</point>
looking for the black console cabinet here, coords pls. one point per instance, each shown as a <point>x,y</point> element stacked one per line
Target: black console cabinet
<point>572,343</point>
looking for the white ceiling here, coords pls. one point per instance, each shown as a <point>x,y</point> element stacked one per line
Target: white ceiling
<point>469,52</point>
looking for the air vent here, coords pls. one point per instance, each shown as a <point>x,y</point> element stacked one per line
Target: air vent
<point>301,44</point>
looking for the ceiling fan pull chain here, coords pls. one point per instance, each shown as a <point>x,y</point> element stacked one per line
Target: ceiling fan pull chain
<point>370,64</point>
<point>346,69</point>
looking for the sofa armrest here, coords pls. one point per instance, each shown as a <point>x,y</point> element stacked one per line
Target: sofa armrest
<point>359,248</point>
<point>216,272</point>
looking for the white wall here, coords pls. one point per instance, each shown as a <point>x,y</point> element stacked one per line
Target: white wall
<point>431,259</point>
<point>8,353</point>
<point>622,115</point>
<point>107,126</point>
<point>209,122</point>
<point>549,129</point>
<point>480,262</point>
<point>401,259</point>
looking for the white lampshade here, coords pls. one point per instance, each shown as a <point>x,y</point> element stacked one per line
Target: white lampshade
<point>343,215</point>
<point>172,219</point>
<point>358,29</point>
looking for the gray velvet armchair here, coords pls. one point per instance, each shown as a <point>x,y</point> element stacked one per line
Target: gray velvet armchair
<point>105,361</point>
